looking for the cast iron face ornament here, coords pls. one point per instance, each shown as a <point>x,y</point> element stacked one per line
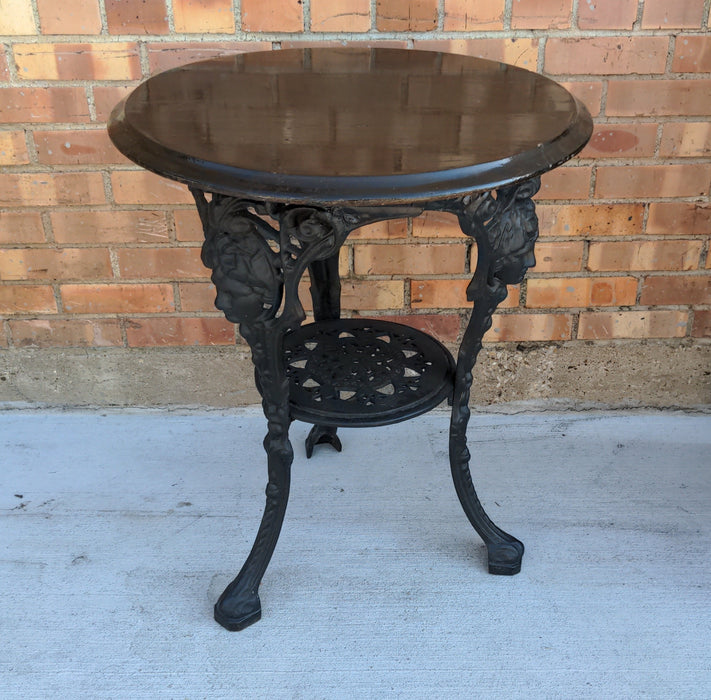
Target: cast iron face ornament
<point>256,268</point>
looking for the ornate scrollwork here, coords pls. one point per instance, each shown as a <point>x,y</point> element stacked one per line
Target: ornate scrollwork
<point>256,267</point>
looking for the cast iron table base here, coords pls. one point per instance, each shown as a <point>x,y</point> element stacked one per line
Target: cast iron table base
<point>286,153</point>
<point>352,372</point>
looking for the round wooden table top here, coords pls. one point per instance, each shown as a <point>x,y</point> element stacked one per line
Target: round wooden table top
<point>349,125</point>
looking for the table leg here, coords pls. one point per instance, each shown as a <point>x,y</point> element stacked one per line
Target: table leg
<point>326,295</point>
<point>504,551</point>
<point>256,270</point>
<point>239,605</point>
<point>505,229</point>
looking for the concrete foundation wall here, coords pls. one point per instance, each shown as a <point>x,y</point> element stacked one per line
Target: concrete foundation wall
<point>646,373</point>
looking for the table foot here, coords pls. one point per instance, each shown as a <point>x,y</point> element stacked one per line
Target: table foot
<point>504,551</point>
<point>234,611</point>
<point>505,558</point>
<point>322,435</point>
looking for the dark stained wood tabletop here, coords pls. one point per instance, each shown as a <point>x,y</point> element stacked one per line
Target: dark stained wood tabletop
<point>354,125</point>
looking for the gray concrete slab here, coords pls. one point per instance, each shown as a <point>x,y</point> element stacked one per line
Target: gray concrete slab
<point>119,529</point>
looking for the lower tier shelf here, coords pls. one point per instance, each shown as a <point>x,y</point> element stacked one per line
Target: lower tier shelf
<point>365,372</point>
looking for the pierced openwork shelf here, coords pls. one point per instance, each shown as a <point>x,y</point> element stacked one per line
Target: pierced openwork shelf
<point>363,372</point>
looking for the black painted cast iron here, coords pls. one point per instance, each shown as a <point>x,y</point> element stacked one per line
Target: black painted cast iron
<point>286,153</point>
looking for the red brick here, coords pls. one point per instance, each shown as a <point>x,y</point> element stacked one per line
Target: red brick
<point>679,218</point>
<point>406,15</point>
<point>112,61</point>
<point>94,333</point>
<point>702,324</point>
<point>589,93</point>
<point>340,15</point>
<point>521,52</point>
<point>686,140</point>
<point>576,292</point>
<point>27,299</point>
<point>632,324</point>
<point>56,104</point>
<point>394,228</point>
<point>647,98</point>
<point>106,98</point>
<point>444,327</point>
<point>272,16</point>
<point>679,289</point>
<point>436,224</point>
<point>662,14</point>
<point>16,18</point>
<point>359,295</point>
<point>45,189</point>
<point>561,256</point>
<point>76,147</point>
<point>644,255</point>
<point>525,327</point>
<point>117,298</point>
<point>54,264</point>
<point>541,14</point>
<point>161,263</point>
<point>142,187</point>
<point>450,294</point>
<point>607,14</point>
<point>203,16</point>
<point>18,228</point>
<point>69,16</point>
<point>590,220</point>
<point>617,140</point>
<point>188,226</point>
<point>639,181</point>
<point>465,16</point>
<point>606,55</point>
<point>171,330</point>
<point>374,259</point>
<point>197,296</point>
<point>692,54</point>
<point>166,55</point>
<point>137,16</point>
<point>13,149</point>
<point>566,183</point>
<point>102,227</point>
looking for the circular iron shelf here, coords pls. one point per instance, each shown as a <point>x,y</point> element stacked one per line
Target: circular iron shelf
<point>365,372</point>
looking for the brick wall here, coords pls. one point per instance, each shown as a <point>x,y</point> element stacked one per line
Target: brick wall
<point>97,253</point>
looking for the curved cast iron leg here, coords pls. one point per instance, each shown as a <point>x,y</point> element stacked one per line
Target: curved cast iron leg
<point>239,605</point>
<point>504,551</point>
<point>326,296</point>
<point>505,229</point>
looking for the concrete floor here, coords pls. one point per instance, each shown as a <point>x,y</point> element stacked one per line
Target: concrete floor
<point>118,530</point>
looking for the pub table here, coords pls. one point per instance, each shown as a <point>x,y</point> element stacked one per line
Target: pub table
<point>286,153</point>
